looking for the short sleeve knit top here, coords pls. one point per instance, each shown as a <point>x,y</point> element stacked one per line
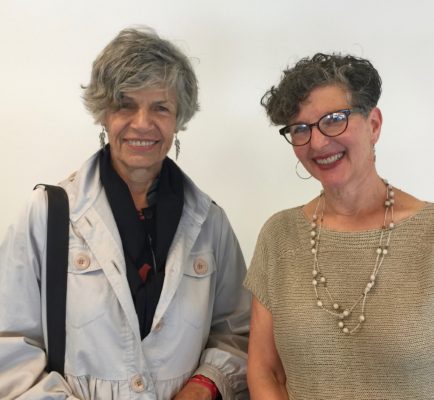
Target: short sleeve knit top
<point>392,355</point>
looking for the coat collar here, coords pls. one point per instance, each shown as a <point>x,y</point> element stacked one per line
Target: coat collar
<point>84,187</point>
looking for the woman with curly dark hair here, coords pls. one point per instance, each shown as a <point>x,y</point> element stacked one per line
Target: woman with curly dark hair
<point>343,285</point>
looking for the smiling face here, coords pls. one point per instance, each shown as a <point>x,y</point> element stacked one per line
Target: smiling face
<point>344,159</point>
<point>141,132</point>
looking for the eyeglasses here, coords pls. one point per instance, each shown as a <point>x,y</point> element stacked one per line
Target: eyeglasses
<point>331,125</point>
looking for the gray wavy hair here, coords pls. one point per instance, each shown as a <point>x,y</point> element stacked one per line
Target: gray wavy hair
<point>356,75</point>
<point>138,58</point>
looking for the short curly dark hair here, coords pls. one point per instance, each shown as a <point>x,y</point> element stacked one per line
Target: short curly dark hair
<point>356,75</point>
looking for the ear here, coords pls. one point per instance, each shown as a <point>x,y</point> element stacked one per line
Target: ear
<point>375,120</point>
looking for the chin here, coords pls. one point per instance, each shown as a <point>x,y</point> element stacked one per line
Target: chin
<point>331,182</point>
<point>332,177</point>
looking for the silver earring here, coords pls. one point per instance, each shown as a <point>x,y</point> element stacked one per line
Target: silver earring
<point>305,177</point>
<point>102,137</point>
<point>373,150</point>
<point>177,146</point>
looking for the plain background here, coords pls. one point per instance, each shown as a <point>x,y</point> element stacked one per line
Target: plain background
<point>238,49</point>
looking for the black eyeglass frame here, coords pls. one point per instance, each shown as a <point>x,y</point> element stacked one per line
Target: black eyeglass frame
<point>346,111</point>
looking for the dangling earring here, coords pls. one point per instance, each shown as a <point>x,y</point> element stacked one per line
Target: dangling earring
<point>298,173</point>
<point>373,151</point>
<point>177,146</point>
<point>102,137</point>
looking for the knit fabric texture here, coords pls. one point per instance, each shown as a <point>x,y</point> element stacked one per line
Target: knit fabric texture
<point>392,355</point>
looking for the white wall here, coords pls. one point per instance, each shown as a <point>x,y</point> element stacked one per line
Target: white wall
<point>239,49</point>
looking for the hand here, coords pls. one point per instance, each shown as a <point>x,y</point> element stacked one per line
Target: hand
<point>193,391</point>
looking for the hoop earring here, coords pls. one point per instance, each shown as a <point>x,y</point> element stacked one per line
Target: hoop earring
<point>102,137</point>
<point>298,173</point>
<point>177,146</point>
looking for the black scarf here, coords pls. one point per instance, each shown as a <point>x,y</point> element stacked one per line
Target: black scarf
<point>145,240</point>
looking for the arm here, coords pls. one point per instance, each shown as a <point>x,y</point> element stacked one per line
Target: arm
<point>266,377</point>
<point>22,348</point>
<point>224,359</point>
<point>193,391</point>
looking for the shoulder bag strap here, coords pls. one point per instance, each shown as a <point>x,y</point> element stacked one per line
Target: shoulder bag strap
<point>57,271</point>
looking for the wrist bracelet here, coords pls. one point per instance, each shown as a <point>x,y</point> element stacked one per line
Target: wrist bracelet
<point>208,383</point>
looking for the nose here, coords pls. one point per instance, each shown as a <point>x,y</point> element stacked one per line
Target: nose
<point>141,119</point>
<point>317,139</point>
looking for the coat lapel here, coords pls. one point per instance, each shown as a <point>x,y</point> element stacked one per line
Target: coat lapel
<point>195,211</point>
<point>98,228</point>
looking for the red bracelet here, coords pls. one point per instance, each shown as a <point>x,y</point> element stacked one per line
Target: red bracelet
<point>208,383</point>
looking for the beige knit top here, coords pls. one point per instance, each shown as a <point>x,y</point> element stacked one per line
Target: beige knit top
<point>392,355</point>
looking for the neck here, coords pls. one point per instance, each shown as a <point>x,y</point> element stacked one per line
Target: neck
<point>355,207</point>
<point>139,181</point>
<point>354,199</point>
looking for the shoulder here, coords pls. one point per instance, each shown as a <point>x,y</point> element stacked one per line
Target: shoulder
<point>406,205</point>
<point>414,214</point>
<point>35,211</point>
<point>420,221</point>
<point>426,215</point>
<point>199,206</point>
<point>283,223</point>
<point>211,219</point>
<point>193,195</point>
<point>24,242</point>
<point>279,236</point>
<point>83,186</point>
<point>429,209</point>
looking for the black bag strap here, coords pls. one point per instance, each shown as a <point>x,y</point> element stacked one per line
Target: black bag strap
<point>56,273</point>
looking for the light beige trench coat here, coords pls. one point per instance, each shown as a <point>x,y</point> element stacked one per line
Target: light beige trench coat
<point>200,323</point>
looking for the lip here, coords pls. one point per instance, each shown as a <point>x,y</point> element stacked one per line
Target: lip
<point>329,161</point>
<point>140,143</point>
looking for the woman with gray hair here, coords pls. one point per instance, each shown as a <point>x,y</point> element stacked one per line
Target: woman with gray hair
<point>155,307</point>
<point>343,285</point>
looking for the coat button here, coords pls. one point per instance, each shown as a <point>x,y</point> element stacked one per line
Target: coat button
<point>137,384</point>
<point>200,266</point>
<point>82,261</point>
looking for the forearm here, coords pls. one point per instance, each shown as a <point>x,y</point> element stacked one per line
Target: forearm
<point>228,374</point>
<point>196,391</point>
<point>52,387</point>
<point>268,387</point>
<point>266,375</point>
<point>22,373</point>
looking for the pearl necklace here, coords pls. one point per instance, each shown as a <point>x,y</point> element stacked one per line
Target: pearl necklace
<point>344,315</point>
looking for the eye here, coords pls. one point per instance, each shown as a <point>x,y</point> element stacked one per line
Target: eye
<point>126,104</point>
<point>335,118</point>
<point>161,107</point>
<point>298,129</point>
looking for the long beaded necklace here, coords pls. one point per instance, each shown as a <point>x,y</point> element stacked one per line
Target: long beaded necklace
<point>345,316</point>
